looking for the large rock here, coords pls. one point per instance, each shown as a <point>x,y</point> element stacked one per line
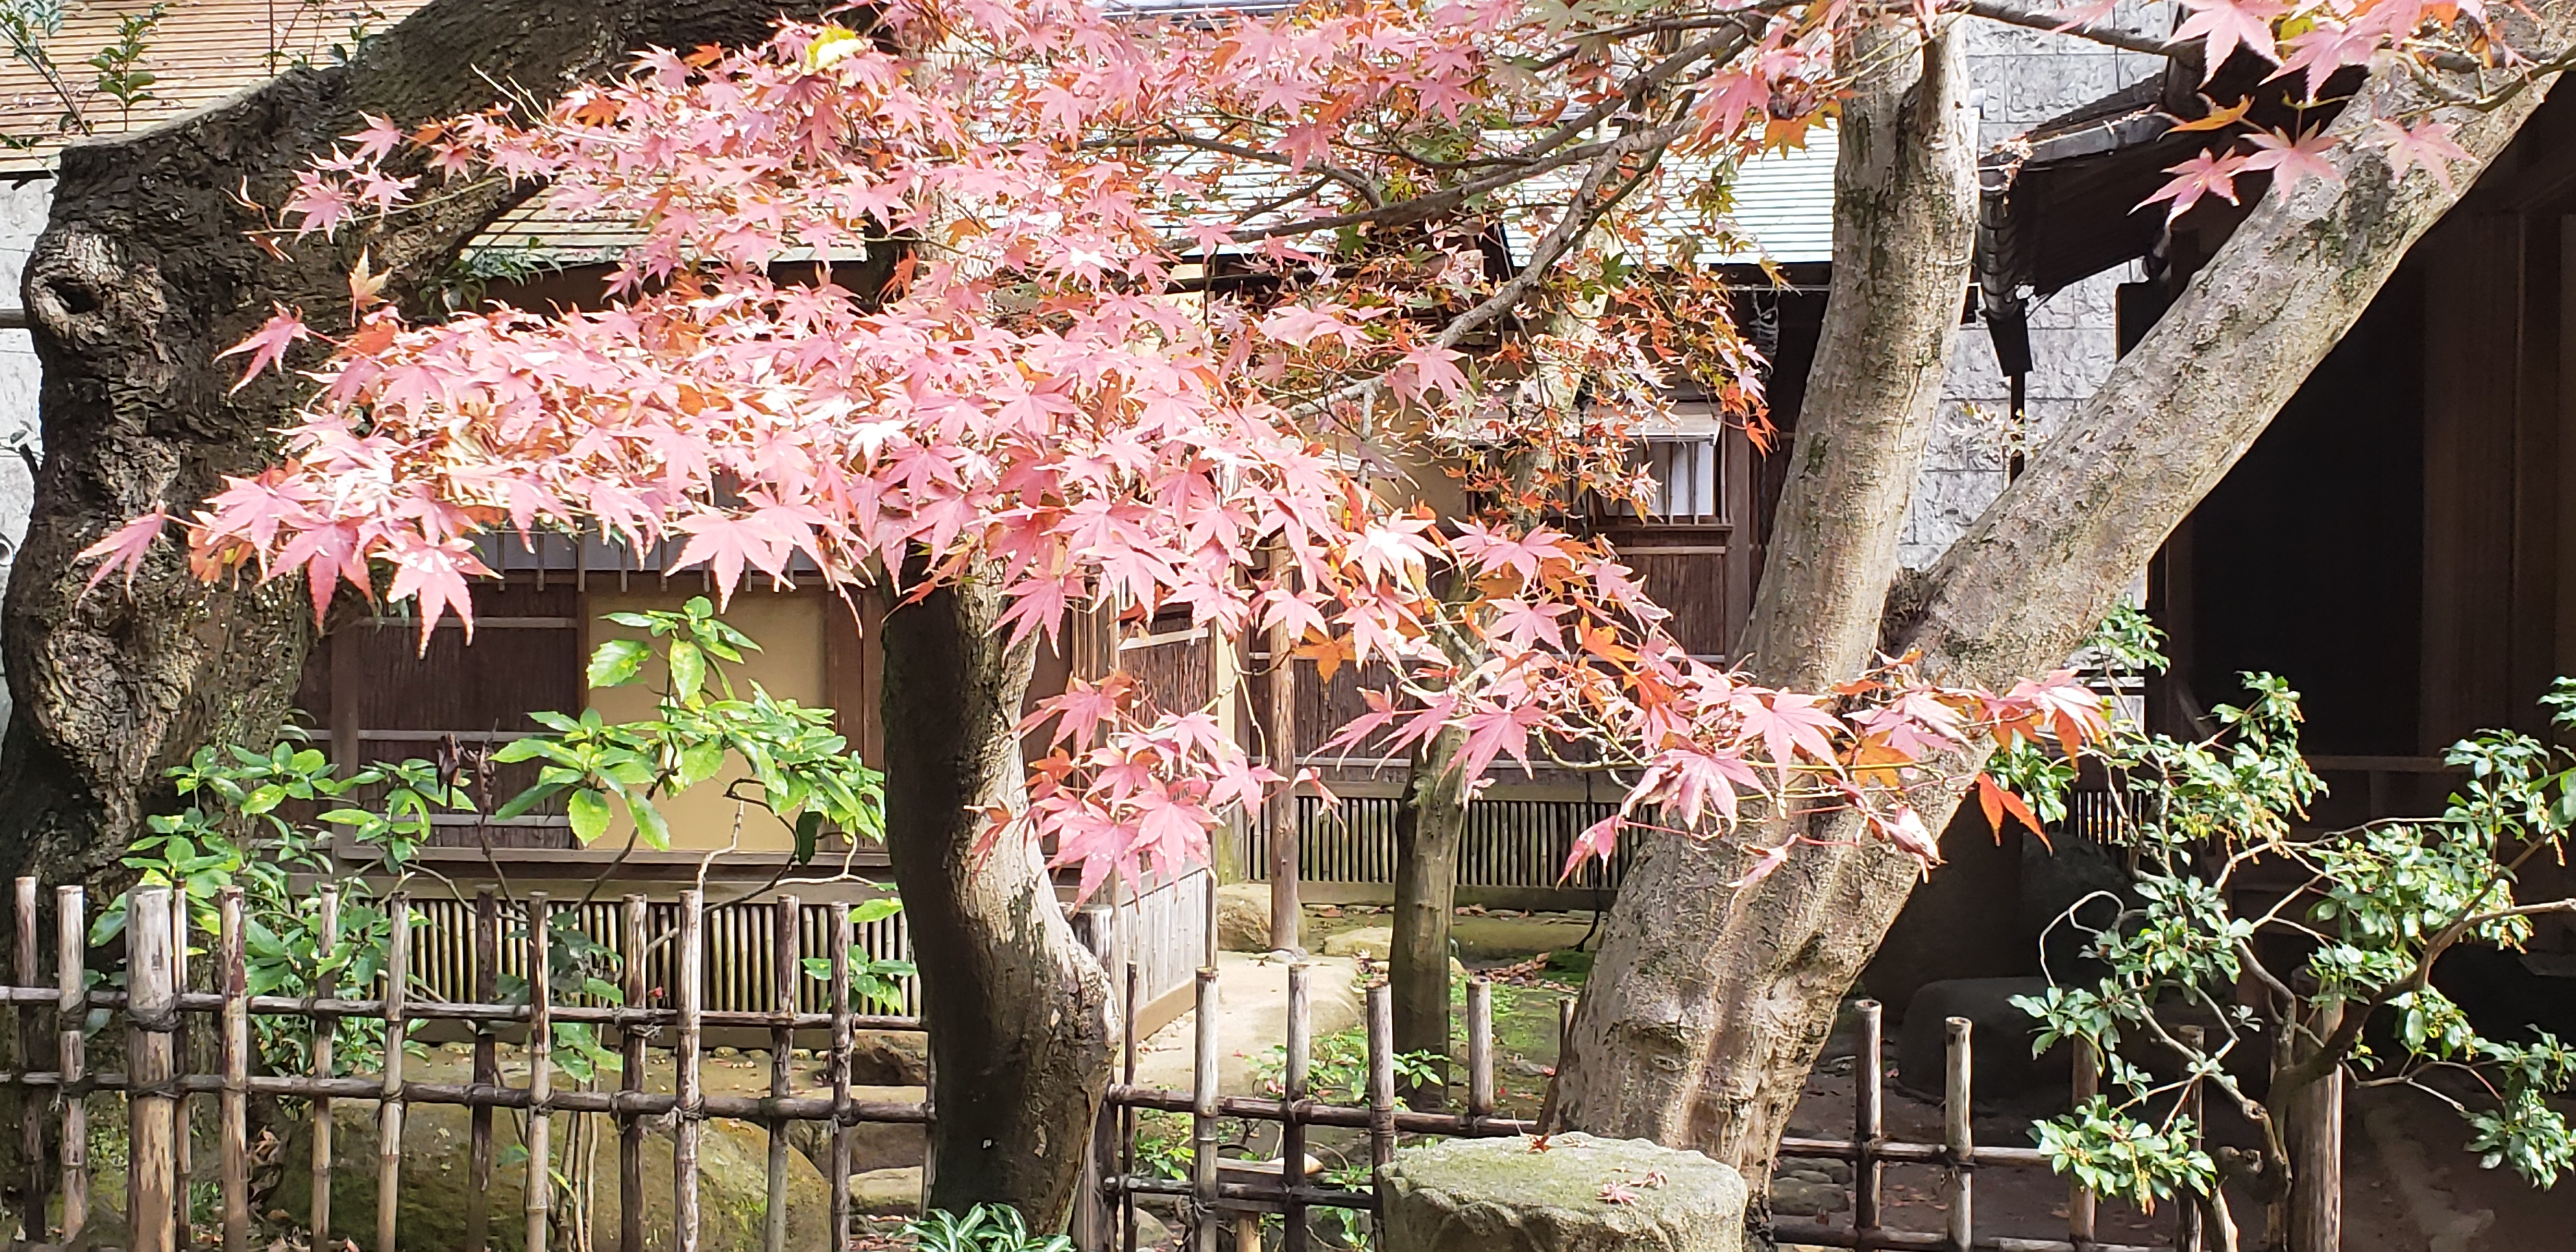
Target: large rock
<point>1377,943</point>
<point>873,1145</point>
<point>2000,1040</point>
<point>1243,917</point>
<point>887,1192</point>
<point>733,1173</point>
<point>1580,1195</point>
<point>888,1058</point>
<point>1503,938</point>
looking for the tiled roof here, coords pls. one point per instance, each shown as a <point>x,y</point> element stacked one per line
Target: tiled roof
<point>200,52</point>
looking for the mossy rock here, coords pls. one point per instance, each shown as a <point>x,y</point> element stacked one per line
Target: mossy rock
<point>437,1179</point>
<point>1581,1194</point>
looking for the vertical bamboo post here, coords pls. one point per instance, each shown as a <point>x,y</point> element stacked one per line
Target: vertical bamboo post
<point>1093,1212</point>
<point>838,962</point>
<point>233,1140</point>
<point>1203,1082</point>
<point>541,1076</point>
<point>687,976</point>
<point>784,968</point>
<point>389,1133</point>
<point>1480,1050</point>
<point>1293,1095</point>
<point>1869,1117</point>
<point>183,1140</point>
<point>1127,1114</point>
<point>486,990</point>
<point>1280,735</point>
<point>633,916</point>
<point>31,1030</point>
<point>151,1109</point>
<point>71,1014</point>
<point>2081,1206</point>
<point>2187,1232</point>
<point>1960,1137</point>
<point>1381,1076</point>
<point>325,1033</point>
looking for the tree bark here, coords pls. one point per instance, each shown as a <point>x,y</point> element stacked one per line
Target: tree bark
<point>1429,827</point>
<point>1717,999</point>
<point>1018,1012</point>
<point>145,271</point>
<point>1708,1003</point>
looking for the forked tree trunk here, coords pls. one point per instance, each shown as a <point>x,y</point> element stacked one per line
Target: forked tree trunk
<point>1018,1012</point>
<point>1710,1003</point>
<point>1430,824</point>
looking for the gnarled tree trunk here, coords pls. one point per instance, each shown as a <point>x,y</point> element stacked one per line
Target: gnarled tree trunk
<point>1710,1002</point>
<point>146,270</point>
<point>1018,1012</point>
<point>1430,825</point>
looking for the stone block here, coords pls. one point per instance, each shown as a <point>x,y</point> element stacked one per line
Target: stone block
<point>1580,1195</point>
<point>2003,1067</point>
<point>1243,917</point>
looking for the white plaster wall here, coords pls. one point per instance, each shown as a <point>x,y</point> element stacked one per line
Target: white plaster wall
<point>23,206</point>
<point>2022,78</point>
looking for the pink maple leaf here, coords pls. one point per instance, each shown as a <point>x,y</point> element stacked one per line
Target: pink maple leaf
<point>124,548</point>
<point>2208,174</point>
<point>2291,160</point>
<point>2223,26</point>
<point>2428,144</point>
<point>268,344</point>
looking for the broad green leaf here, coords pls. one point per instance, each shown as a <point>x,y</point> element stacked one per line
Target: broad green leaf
<point>809,830</point>
<point>589,810</point>
<point>688,669</point>
<point>617,662</point>
<point>875,910</point>
<point>649,822</point>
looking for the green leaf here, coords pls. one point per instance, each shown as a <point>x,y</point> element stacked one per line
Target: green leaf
<point>617,661</point>
<point>875,910</point>
<point>700,761</point>
<point>688,669</point>
<point>649,823</point>
<point>526,801</point>
<point>809,830</point>
<point>589,810</point>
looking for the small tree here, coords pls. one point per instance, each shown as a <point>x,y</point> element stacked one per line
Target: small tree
<point>2264,1009</point>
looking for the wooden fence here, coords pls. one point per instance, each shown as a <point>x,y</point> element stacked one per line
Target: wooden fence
<point>1242,1194</point>
<point>157,1010</point>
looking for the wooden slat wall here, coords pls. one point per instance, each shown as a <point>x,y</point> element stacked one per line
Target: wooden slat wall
<point>2472,303</point>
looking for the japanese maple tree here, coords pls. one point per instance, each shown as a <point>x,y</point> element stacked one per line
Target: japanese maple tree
<point>1174,292</point>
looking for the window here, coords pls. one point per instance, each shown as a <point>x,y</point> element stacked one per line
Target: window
<point>1686,479</point>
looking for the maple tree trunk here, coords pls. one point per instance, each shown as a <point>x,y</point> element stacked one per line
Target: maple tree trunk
<point>1709,1003</point>
<point>1430,824</point>
<point>1018,1012</point>
<point>146,271</point>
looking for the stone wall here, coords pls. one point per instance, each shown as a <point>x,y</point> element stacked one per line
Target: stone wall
<point>2020,78</point>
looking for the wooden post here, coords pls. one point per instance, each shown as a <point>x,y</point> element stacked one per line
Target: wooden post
<point>71,1020</point>
<point>1480,1049</point>
<point>487,1071</point>
<point>152,1006</point>
<point>390,1117</point>
<point>183,1144</point>
<point>1292,1129</point>
<point>31,1040</point>
<point>234,1138</point>
<point>1869,1117</point>
<point>2313,1125</point>
<point>541,1077</point>
<point>1203,1084</point>
<point>1286,914</point>
<point>1381,1076</point>
<point>839,990</point>
<point>2187,1230</point>
<point>688,977</point>
<point>785,949</point>
<point>2081,1204</point>
<point>1093,1213</point>
<point>1127,1112</point>
<point>1959,1135</point>
<point>324,1034</point>
<point>630,1081</point>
